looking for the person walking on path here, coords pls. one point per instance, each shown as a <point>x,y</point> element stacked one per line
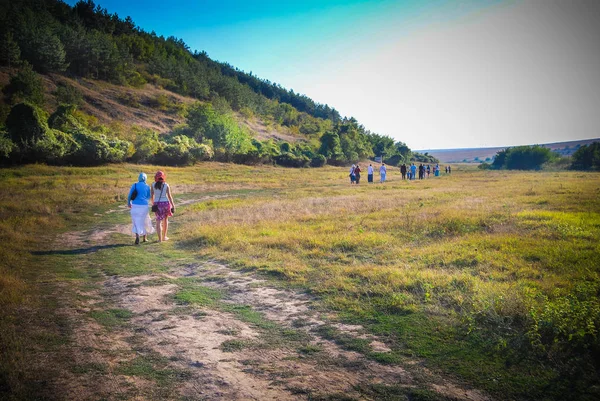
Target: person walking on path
<point>370,173</point>
<point>403,171</point>
<point>413,171</point>
<point>428,170</point>
<point>162,204</point>
<point>382,173</point>
<point>449,169</point>
<point>421,171</point>
<point>352,176</point>
<point>137,201</point>
<point>357,174</point>
<point>436,170</point>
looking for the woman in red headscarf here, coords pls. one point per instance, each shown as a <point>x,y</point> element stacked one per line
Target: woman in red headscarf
<point>162,204</point>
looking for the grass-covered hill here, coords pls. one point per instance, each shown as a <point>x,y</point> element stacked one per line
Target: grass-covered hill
<point>145,98</point>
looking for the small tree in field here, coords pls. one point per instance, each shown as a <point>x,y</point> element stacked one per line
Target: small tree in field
<point>587,157</point>
<point>523,158</point>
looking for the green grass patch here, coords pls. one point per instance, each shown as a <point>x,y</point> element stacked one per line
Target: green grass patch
<point>234,345</point>
<point>112,318</point>
<point>193,293</point>
<point>310,349</point>
<point>152,367</point>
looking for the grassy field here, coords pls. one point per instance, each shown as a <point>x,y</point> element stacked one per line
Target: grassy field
<point>490,277</point>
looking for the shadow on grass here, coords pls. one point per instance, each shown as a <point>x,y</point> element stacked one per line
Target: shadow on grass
<point>80,251</point>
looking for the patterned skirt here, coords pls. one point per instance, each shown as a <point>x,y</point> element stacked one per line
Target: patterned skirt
<point>164,210</point>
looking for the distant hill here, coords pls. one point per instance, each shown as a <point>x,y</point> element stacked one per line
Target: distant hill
<point>477,155</point>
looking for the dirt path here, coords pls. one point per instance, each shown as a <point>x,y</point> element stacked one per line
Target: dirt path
<point>172,350</point>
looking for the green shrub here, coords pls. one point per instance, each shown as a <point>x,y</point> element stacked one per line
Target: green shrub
<point>182,150</point>
<point>130,99</point>
<point>96,149</point>
<point>34,140</point>
<point>523,158</point>
<point>159,102</point>
<point>64,120</point>
<point>571,321</point>
<point>25,86</point>
<point>26,124</point>
<point>587,157</point>
<point>146,144</point>
<point>318,161</point>
<point>291,160</point>
<point>6,146</point>
<point>135,79</point>
<point>68,94</point>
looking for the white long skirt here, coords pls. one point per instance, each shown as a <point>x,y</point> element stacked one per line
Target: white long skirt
<point>142,225</point>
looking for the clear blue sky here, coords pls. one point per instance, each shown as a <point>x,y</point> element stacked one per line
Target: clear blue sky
<point>432,73</point>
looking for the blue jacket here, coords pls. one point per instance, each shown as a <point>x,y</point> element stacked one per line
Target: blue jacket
<point>143,194</point>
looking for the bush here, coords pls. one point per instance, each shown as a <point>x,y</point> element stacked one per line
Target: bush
<point>64,120</point>
<point>423,158</point>
<point>394,160</point>
<point>96,149</point>
<point>159,102</point>
<point>25,86</point>
<point>291,160</point>
<point>130,99</point>
<point>146,145</point>
<point>68,94</point>
<point>6,146</point>
<point>318,161</point>
<point>25,124</point>
<point>523,158</point>
<point>33,140</point>
<point>261,152</point>
<point>251,157</point>
<point>587,157</point>
<point>182,150</point>
<point>135,79</point>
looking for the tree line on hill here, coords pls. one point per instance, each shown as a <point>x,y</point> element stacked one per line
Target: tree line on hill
<point>534,157</point>
<point>43,36</point>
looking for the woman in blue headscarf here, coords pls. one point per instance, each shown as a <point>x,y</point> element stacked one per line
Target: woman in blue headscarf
<point>137,201</point>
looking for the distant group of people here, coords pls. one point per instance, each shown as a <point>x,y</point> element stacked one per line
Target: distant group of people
<point>355,173</point>
<point>159,194</point>
<point>408,172</point>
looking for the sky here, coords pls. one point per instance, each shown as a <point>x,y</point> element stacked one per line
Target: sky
<point>435,74</point>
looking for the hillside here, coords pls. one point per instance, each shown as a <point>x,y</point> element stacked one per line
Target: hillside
<point>149,107</point>
<point>140,97</point>
<point>476,155</point>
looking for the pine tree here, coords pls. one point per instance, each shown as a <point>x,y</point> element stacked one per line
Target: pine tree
<point>10,53</point>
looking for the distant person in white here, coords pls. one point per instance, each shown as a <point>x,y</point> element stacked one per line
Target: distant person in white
<point>382,172</point>
<point>370,173</point>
